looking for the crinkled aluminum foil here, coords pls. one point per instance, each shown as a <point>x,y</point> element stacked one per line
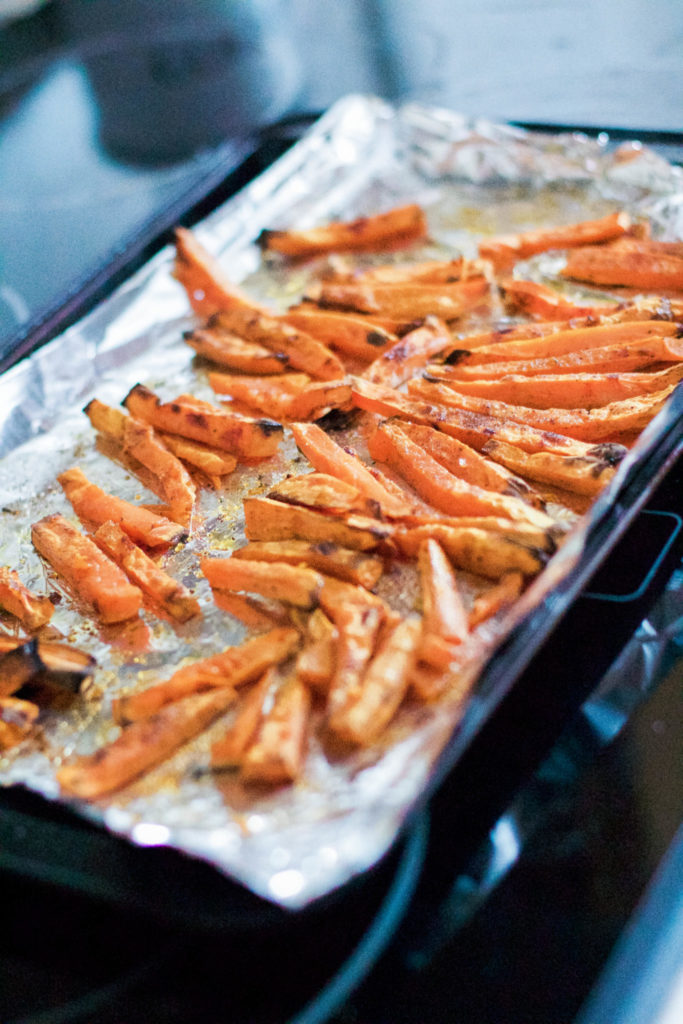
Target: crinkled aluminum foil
<point>473,178</point>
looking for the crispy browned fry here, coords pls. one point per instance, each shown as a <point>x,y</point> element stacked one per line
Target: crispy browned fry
<point>441,488</point>
<point>48,663</point>
<point>231,668</point>
<point>487,553</point>
<point>255,612</point>
<point>505,249</point>
<point>33,610</point>
<point>201,421</point>
<point>213,462</point>
<point>344,332</point>
<point>79,562</point>
<point>461,460</point>
<point>545,540</point>
<point>443,609</point>
<point>17,718</point>
<point>229,750</point>
<point>530,298</point>
<point>455,680</point>
<point>92,504</point>
<point>276,755</point>
<point>472,428</point>
<point>427,271</point>
<point>293,584</point>
<point>272,395</point>
<point>227,349</point>
<point>107,420</point>
<point>400,223</point>
<point>301,349</point>
<point>563,391</point>
<point>266,519</point>
<point>175,598</point>
<point>207,285</point>
<point>325,556</point>
<point>404,301</point>
<point>142,745</point>
<point>586,474</point>
<point>626,267</point>
<point>319,398</point>
<point>322,491</point>
<point>592,425</point>
<point>329,457</point>
<point>316,662</point>
<point>397,364</point>
<point>498,597</point>
<point>370,706</point>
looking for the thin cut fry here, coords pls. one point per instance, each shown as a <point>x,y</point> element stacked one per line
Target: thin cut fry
<point>343,332</point>
<point>322,491</point>
<point>485,552</point>
<point>404,301</point>
<point>276,755</point>
<point>332,559</point>
<point>227,349</point>
<point>400,223</point>
<point>316,662</point>
<point>293,584</point>
<point>505,249</point>
<point>255,612</point>
<point>498,597</point>
<point>604,265</point>
<point>213,462</point>
<point>33,610</point>
<point>586,474</point>
<point>397,364</point>
<point>269,520</point>
<point>443,609</point>
<point>529,298</point>
<point>142,745</point>
<point>207,285</point>
<point>229,750</point>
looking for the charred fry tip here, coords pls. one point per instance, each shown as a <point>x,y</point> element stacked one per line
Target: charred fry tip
<point>610,453</point>
<point>456,356</point>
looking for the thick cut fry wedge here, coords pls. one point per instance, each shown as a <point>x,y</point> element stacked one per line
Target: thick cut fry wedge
<point>497,598</point>
<point>506,249</point>
<point>213,462</point>
<point>229,750</point>
<point>142,746</point>
<point>368,711</point>
<point>88,572</point>
<point>319,398</point>
<point>412,352</point>
<point>175,598</point>
<point>586,474</point>
<point>232,668</point>
<point>293,584</point>
<point>316,662</point>
<point>332,559</point>
<point>207,285</point>
<point>302,350</point>
<point>201,421</point>
<point>17,718</point>
<point>272,395</point>
<point>443,608</point>
<point>358,622</point>
<point>322,491</point>
<point>92,504</point>
<point>266,519</point>
<point>405,301</point>
<point>603,265</point>
<point>545,540</point>
<point>529,298</point>
<point>32,610</point>
<point>461,460</point>
<point>439,486</point>
<point>402,223</point>
<point>487,553</point>
<point>592,425</point>
<point>472,428</point>
<point>224,347</point>
<point>276,755</point>
<point>329,457</point>
<point>563,391</point>
<point>343,332</point>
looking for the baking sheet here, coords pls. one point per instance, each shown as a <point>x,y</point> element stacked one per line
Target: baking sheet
<point>473,178</point>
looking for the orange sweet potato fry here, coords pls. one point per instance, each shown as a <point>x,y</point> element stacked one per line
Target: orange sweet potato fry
<point>586,474</point>
<point>315,663</point>
<point>271,395</point>
<point>343,332</point>
<point>476,549</point>
<point>326,557</point>
<point>505,249</point>
<point>443,609</point>
<point>253,611</point>
<point>32,610</point>
<point>276,755</point>
<point>319,398</point>
<point>530,298</point>
<point>207,285</point>
<point>324,492</point>
<point>175,598</point>
<point>616,267</point>
<point>501,595</point>
<point>17,718</point>
<point>293,584</point>
<point>94,505</point>
<point>397,364</point>
<point>231,668</point>
<point>222,346</point>
<point>213,462</point>
<point>142,745</point>
<point>427,272</point>
<point>404,223</point>
<point>269,520</point>
<point>229,750</point>
<point>404,301</point>
<point>88,572</point>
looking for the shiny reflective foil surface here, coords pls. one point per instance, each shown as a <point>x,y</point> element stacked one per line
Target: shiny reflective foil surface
<point>289,845</point>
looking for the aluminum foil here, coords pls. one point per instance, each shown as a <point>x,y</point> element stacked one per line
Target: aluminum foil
<point>292,845</point>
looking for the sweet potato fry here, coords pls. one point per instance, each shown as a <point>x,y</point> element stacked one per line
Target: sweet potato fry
<point>107,420</point>
<point>293,584</point>
<point>253,611</point>
<point>32,610</point>
<point>277,753</point>
<point>142,745</point>
<point>92,504</point>
<point>545,540</point>
<point>586,474</point>
<point>439,486</point>
<point>506,249</point>
<point>231,668</point>
<point>367,710</point>
<point>88,572</point>
<point>316,662</point>
<point>207,285</point>
<point>397,364</point>
<point>343,332</point>
<point>224,347</point>
<point>329,457</point>
<point>270,520</point>
<point>322,491</point>
<point>404,223</point>
<point>501,595</point>
<point>591,425</point>
<point>324,556</point>
<point>530,298</point>
<point>271,395</point>
<point>604,265</point>
<point>443,609</point>
<point>302,350</point>
<point>487,553</point>
<point>404,301</point>
<point>563,391</point>
<point>319,398</point>
<point>426,272</point>
<point>455,681</point>
<point>200,421</point>
<point>17,718</point>
<point>175,598</point>
<point>229,750</point>
<point>213,462</point>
